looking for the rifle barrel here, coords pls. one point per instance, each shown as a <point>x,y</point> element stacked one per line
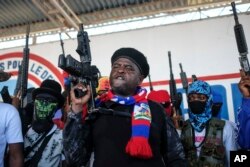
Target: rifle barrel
<point>170,62</point>
<point>25,68</point>
<point>150,83</point>
<point>235,13</point>
<point>241,42</point>
<point>61,41</point>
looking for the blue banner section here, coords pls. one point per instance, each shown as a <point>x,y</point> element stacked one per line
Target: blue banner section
<point>221,91</point>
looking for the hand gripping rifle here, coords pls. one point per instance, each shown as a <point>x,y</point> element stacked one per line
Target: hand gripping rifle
<point>241,42</point>
<point>176,98</point>
<point>81,71</point>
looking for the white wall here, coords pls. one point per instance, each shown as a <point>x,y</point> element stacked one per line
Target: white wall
<point>205,48</point>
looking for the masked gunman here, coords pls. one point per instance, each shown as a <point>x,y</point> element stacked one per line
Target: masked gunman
<point>207,140</point>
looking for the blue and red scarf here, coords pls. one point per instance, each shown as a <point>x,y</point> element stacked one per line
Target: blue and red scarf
<point>138,145</point>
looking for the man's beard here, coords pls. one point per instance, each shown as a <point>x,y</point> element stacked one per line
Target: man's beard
<point>123,90</point>
<point>120,91</point>
<point>41,126</point>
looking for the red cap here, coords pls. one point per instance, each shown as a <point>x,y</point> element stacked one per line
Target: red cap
<point>161,96</point>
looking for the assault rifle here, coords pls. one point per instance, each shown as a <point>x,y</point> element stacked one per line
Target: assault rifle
<point>81,71</point>
<point>184,79</point>
<point>25,69</point>
<point>175,97</point>
<point>241,42</point>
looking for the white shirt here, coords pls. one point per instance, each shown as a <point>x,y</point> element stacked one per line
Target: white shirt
<point>10,128</point>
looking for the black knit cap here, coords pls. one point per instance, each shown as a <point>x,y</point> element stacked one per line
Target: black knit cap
<point>135,56</point>
<point>51,87</point>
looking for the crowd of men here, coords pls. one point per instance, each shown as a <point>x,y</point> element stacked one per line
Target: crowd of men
<point>128,127</point>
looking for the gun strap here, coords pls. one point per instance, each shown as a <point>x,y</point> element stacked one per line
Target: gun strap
<point>30,148</point>
<point>37,156</point>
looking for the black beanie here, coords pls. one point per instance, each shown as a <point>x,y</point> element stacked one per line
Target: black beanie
<point>135,56</point>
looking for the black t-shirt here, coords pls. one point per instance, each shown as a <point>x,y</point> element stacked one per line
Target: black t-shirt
<point>111,133</point>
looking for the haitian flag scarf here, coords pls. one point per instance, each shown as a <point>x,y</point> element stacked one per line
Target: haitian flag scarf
<point>138,145</point>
